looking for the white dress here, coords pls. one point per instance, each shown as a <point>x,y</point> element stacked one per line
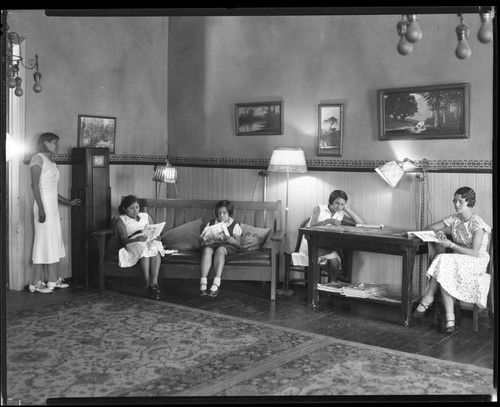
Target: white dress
<point>464,277</point>
<point>302,257</point>
<point>132,252</point>
<point>48,246</point>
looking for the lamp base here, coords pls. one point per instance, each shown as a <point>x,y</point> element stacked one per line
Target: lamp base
<point>284,292</point>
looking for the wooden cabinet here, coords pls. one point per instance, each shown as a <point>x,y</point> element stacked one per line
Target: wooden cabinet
<point>90,183</point>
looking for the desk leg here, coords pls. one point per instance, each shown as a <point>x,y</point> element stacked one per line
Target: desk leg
<point>313,274</point>
<point>407,285</point>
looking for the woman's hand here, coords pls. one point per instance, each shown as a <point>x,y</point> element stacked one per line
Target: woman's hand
<point>75,202</point>
<point>440,235</point>
<point>141,238</point>
<point>231,240</point>
<point>332,221</point>
<point>41,215</point>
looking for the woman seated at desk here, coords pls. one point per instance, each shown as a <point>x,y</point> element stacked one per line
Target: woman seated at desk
<point>462,273</point>
<point>335,212</point>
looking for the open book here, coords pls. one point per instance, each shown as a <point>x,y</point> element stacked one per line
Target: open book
<point>425,235</point>
<point>151,231</point>
<point>215,233</point>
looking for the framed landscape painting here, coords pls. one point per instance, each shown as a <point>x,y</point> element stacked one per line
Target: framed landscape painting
<point>425,112</point>
<point>259,119</point>
<point>330,129</point>
<point>97,131</point>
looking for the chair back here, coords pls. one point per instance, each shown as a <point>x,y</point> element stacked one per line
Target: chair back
<point>300,235</point>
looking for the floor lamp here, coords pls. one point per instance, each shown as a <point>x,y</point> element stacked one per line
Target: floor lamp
<point>392,172</point>
<point>287,160</point>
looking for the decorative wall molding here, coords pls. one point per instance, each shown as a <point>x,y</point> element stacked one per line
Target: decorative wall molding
<point>474,166</point>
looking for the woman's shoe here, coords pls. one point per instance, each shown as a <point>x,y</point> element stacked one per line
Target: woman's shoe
<point>419,314</point>
<point>214,293</point>
<point>155,292</point>
<point>450,326</point>
<point>203,292</point>
<point>39,287</point>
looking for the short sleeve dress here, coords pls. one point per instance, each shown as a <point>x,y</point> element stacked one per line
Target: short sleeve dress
<point>464,277</point>
<point>302,257</point>
<point>233,228</point>
<point>132,252</point>
<point>48,246</point>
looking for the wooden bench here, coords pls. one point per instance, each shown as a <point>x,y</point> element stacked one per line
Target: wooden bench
<point>258,265</point>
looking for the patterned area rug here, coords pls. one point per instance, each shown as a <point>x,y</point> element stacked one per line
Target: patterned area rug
<point>120,346</point>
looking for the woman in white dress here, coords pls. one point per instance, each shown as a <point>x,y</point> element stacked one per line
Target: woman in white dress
<point>48,246</point>
<point>461,274</point>
<point>335,212</point>
<point>130,225</point>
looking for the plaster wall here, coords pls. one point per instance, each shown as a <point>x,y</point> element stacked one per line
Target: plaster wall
<point>216,62</point>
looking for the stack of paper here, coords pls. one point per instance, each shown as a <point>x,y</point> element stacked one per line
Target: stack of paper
<point>365,290</point>
<point>333,287</point>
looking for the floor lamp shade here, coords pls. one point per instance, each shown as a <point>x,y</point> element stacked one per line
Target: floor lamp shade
<point>287,159</point>
<point>391,172</point>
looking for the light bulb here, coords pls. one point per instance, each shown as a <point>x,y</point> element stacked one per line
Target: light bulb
<point>463,50</point>
<point>11,82</point>
<point>404,47</point>
<point>18,92</point>
<point>37,87</point>
<point>413,32</point>
<point>485,33</point>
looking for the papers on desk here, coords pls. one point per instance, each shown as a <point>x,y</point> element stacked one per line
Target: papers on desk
<point>425,235</point>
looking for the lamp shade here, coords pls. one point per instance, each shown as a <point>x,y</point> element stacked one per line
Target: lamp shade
<point>166,174</point>
<point>287,159</point>
<point>391,172</point>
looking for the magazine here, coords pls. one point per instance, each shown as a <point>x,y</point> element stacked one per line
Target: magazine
<point>215,233</point>
<point>425,235</point>
<point>367,225</point>
<point>151,231</point>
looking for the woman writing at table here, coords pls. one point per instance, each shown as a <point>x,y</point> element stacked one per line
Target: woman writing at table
<point>460,274</point>
<point>336,212</point>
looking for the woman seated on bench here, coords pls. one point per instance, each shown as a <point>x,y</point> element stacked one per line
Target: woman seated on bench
<point>130,225</point>
<point>217,248</point>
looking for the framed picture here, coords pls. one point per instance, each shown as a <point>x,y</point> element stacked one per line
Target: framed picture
<point>330,129</point>
<point>97,131</point>
<point>259,119</point>
<point>425,112</point>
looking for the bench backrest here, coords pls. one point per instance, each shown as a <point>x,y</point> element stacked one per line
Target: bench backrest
<point>176,212</point>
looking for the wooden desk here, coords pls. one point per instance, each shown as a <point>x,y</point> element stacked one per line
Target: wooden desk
<point>349,238</point>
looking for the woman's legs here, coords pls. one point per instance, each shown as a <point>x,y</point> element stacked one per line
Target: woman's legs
<point>429,295</point>
<point>144,263</point>
<point>37,274</point>
<point>219,261</point>
<point>206,263</point>
<point>51,272</point>
<point>449,307</point>
<point>333,269</point>
<point>155,270</point>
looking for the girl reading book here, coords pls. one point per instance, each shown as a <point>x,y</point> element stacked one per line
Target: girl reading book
<point>138,247</point>
<point>221,237</point>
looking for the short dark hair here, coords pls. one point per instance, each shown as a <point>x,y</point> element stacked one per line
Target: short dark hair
<point>468,194</point>
<point>126,202</point>
<point>338,193</point>
<point>45,137</point>
<point>225,203</point>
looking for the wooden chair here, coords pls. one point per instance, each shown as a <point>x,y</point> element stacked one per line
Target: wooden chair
<point>289,267</point>
<point>476,310</point>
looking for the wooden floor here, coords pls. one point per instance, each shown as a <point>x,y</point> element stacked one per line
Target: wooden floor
<point>334,316</point>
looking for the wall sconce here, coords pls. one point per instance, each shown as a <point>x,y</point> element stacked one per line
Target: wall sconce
<point>165,174</point>
<point>410,32</point>
<point>13,61</point>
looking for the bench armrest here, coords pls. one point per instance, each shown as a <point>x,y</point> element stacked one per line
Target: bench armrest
<point>102,232</point>
<point>279,235</point>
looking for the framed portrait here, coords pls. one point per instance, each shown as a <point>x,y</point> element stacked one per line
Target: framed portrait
<point>97,131</point>
<point>330,129</point>
<point>425,112</point>
<point>259,119</point>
